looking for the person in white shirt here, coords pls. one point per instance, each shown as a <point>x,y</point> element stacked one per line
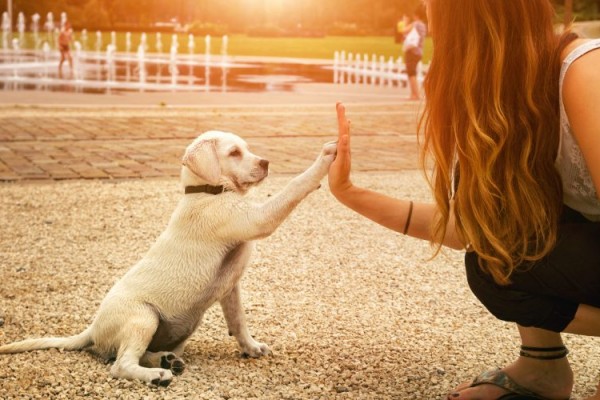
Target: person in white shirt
<point>412,49</point>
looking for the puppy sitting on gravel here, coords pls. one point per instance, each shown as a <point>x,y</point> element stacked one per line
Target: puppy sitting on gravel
<point>146,318</point>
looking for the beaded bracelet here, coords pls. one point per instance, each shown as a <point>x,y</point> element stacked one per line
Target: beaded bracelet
<point>410,210</point>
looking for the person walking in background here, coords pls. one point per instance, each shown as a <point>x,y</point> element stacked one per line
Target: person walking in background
<point>513,132</point>
<point>64,45</point>
<point>414,36</point>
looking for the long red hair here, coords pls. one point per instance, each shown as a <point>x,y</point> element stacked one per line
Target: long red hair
<point>492,113</point>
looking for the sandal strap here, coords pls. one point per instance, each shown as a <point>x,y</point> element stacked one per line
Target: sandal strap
<point>561,352</point>
<point>502,380</point>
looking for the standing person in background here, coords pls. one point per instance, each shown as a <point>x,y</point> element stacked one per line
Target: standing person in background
<point>64,42</point>
<point>412,48</point>
<point>512,128</point>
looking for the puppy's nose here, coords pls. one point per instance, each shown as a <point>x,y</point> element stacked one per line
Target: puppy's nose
<point>264,163</point>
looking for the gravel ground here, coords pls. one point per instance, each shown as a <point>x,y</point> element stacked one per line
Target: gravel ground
<point>350,310</point>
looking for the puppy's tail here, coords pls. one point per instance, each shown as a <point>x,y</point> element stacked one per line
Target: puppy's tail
<point>76,342</point>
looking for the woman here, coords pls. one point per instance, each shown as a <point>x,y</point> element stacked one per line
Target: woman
<point>512,125</point>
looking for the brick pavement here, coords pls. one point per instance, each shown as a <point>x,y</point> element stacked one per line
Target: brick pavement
<point>56,143</point>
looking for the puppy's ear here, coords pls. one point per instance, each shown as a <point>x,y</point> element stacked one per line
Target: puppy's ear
<point>201,158</point>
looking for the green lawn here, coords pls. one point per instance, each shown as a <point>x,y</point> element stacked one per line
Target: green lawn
<point>322,48</point>
<point>318,47</point>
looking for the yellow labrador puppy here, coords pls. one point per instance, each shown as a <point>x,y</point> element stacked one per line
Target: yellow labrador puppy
<point>147,316</point>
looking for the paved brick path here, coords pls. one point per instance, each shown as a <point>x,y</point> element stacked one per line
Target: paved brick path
<point>55,143</point>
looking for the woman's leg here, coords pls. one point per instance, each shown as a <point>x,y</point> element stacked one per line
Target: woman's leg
<point>552,296</point>
<point>586,321</point>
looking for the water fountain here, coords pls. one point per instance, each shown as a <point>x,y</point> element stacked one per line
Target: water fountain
<point>49,25</point>
<point>46,57</point>
<point>98,44</point>
<point>16,50</point>
<point>110,64</point>
<point>173,70</point>
<point>159,50</point>
<point>111,55</point>
<point>336,67</point>
<point>350,61</point>
<point>77,71</point>
<point>21,29</point>
<point>144,41</point>
<point>382,71</point>
<point>207,63</point>
<point>35,30</point>
<point>84,39</point>
<point>365,70</point>
<point>127,52</point>
<point>224,45</point>
<point>390,68</point>
<point>343,64</point>
<point>98,53</point>
<point>373,69</point>
<point>6,29</point>
<point>141,57</point>
<point>97,66</point>
<point>191,48</point>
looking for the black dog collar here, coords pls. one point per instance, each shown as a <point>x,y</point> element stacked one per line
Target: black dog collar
<point>204,189</point>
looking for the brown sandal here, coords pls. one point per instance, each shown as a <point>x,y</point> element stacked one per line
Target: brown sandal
<point>502,380</point>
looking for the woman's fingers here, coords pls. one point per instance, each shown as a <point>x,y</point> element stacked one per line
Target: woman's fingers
<point>343,130</point>
<point>339,172</point>
<point>343,123</point>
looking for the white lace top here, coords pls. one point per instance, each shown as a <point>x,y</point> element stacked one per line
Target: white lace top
<point>578,188</point>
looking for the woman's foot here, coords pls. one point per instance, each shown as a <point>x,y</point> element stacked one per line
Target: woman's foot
<point>552,379</point>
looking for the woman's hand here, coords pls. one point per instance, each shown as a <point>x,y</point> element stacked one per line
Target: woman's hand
<point>339,171</point>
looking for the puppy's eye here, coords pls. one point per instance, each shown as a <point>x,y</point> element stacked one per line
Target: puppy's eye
<point>235,153</point>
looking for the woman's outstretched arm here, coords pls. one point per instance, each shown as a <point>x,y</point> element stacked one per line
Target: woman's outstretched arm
<point>399,215</point>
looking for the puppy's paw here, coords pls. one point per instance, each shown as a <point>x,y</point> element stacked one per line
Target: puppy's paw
<point>159,377</point>
<point>255,350</point>
<point>323,162</point>
<point>329,148</point>
<point>173,363</point>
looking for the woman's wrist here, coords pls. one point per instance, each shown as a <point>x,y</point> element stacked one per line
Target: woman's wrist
<point>343,192</point>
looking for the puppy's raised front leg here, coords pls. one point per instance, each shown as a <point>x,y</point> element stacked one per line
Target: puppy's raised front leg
<point>236,322</point>
<point>259,222</point>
